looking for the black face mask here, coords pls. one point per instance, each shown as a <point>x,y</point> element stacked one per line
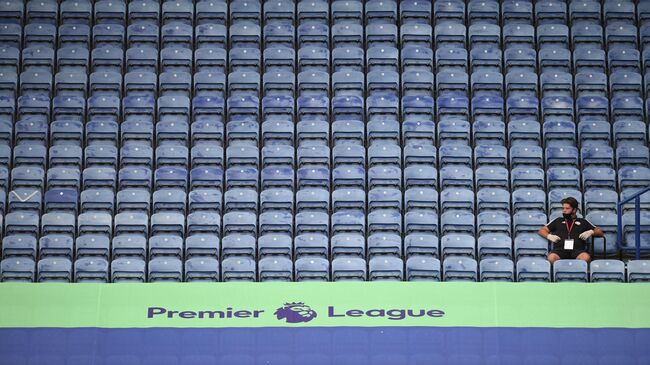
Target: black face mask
<point>568,216</point>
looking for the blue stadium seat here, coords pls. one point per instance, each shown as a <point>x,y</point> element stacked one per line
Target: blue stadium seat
<point>491,177</point>
<point>317,58</point>
<point>130,245</point>
<point>142,35</point>
<point>493,222</point>
<point>311,245</point>
<point>494,245</point>
<point>41,12</point>
<point>342,221</point>
<point>343,199</point>
<point>163,245</point>
<point>128,269</point>
<point>9,62</point>
<point>551,12</point>
<point>246,11</point>
<point>141,59</point>
<point>456,176</point>
<point>449,12</point>
<point>312,269</point>
<point>94,222</point>
<point>421,221</point>
<point>383,34</point>
<point>24,200</point>
<point>238,245</point>
<point>623,59</point>
<point>145,11</point>
<point>598,177</point>
<point>27,177</point>
<point>384,12</point>
<point>453,131</point>
<point>488,199</point>
<point>91,270</point>
<point>607,271</point>
<point>423,268</point>
<point>570,270</point>
<point>165,269</point>
<point>483,12</point>
<point>178,11</point>
<point>386,268</point>
<point>274,244</point>
<point>533,269</point>
<point>17,269</point>
<point>585,11</point>
<point>528,199</point>
<point>344,12</point>
<point>275,268</point>
<point>382,221</point>
<point>238,268</point>
<point>600,200</point>
<point>54,269</point>
<point>458,244</point>
<point>415,12</point>
<point>279,35</point>
<point>349,268</point>
<point>589,61</point>
<point>486,59</point>
<point>632,156</point>
<point>92,246</point>
<point>19,246</point>
<point>280,12</point>
<point>35,82</point>
<point>55,245</point>
<point>638,271</point>
<point>552,35</point>
<point>459,268</point>
<point>313,34</point>
<point>421,244</point>
<point>633,177</point>
<point>519,39</point>
<point>348,245</point>
<point>201,269</point>
<point>528,221</point>
<point>563,177</point>
<point>484,35</point>
<point>587,36</point>
<point>317,11</point>
<point>12,34</point>
<point>279,58</point>
<point>74,35</point>
<point>497,269</point>
<point>552,59</point>
<point>273,222</point>
<point>343,59</point>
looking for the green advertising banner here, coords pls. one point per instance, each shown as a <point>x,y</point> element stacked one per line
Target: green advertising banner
<point>358,304</point>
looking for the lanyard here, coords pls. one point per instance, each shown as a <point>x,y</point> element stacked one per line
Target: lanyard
<point>569,228</point>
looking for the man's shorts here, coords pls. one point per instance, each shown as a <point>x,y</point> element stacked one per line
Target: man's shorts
<point>568,254</point>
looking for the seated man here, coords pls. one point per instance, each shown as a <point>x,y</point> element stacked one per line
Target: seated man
<point>569,234</point>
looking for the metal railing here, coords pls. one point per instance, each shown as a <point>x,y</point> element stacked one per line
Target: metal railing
<point>637,221</point>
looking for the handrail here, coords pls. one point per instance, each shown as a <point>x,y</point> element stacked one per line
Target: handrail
<point>637,221</point>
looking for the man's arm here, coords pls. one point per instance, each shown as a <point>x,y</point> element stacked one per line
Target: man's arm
<point>546,233</point>
<point>593,232</point>
<point>598,232</point>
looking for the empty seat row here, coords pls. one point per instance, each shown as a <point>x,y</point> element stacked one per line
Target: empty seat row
<point>351,231</point>
<point>416,268</point>
<point>340,12</point>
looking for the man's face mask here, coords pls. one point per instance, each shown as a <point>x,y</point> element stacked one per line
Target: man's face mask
<point>568,215</point>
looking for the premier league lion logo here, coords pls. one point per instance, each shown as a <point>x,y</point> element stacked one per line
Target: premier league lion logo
<point>295,312</point>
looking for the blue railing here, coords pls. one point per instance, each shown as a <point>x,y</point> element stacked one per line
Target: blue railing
<point>637,221</point>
